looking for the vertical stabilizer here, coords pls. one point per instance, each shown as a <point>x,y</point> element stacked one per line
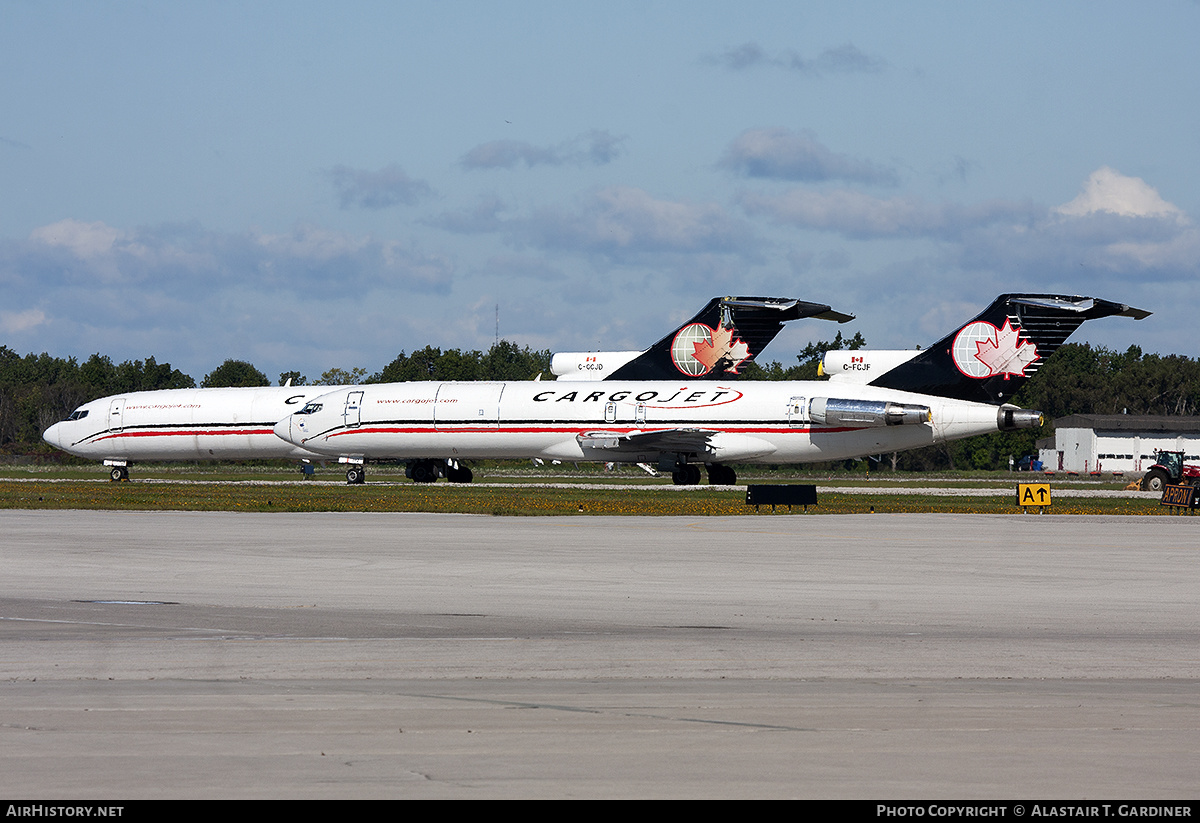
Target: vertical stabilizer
<point>725,335</point>
<point>988,359</point>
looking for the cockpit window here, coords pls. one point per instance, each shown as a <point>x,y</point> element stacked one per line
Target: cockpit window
<point>78,414</point>
<point>311,408</point>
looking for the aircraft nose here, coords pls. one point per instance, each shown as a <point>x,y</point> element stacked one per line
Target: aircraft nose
<point>53,435</point>
<point>283,429</point>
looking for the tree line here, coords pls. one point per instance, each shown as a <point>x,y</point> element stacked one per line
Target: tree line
<point>38,390</point>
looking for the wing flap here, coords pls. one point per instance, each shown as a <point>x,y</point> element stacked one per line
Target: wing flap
<point>705,445</point>
<point>640,442</point>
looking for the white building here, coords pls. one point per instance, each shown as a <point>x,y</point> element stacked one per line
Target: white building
<point>1087,443</point>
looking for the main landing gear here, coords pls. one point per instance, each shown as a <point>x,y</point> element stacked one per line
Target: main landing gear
<point>688,474</point>
<point>356,474</point>
<point>459,474</point>
<point>119,473</point>
<point>422,471</point>
<point>428,471</point>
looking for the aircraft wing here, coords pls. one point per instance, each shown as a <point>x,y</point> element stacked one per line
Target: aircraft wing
<point>665,440</point>
<point>705,445</point>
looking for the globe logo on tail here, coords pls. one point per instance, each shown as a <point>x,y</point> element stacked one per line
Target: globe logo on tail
<point>981,350</point>
<point>697,349</point>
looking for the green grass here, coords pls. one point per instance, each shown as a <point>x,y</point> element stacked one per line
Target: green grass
<point>512,471</point>
<point>278,488</point>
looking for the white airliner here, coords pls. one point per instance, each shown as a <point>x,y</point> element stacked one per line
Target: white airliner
<point>877,402</point>
<point>183,424</point>
<point>238,423</point>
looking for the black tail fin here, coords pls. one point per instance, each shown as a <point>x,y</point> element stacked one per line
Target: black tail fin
<point>988,359</point>
<point>727,333</point>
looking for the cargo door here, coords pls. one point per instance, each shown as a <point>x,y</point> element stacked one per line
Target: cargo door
<point>467,406</point>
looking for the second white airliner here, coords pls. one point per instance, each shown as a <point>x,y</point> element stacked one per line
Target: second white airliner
<point>876,402</point>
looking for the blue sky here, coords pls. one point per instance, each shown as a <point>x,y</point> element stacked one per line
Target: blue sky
<point>307,186</point>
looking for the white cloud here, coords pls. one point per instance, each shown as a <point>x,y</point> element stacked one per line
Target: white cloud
<point>390,186</point>
<point>615,221</point>
<point>855,214</point>
<point>620,220</point>
<point>844,59</point>
<point>1118,225</point>
<point>595,148</point>
<point>482,219</point>
<point>1107,190</point>
<point>195,297</point>
<point>84,240</point>
<point>17,322</point>
<point>786,155</point>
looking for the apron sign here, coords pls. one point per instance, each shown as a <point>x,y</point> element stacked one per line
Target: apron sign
<point>1183,496</point>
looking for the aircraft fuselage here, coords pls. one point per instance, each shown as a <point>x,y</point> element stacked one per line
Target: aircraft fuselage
<point>183,424</point>
<point>766,422</point>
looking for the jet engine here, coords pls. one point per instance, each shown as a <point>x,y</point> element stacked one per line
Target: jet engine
<point>1009,418</point>
<point>835,411</point>
<point>594,365</point>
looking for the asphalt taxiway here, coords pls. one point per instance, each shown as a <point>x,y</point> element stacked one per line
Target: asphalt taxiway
<point>172,654</point>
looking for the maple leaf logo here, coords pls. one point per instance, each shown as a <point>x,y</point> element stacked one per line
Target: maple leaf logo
<point>1006,353</point>
<point>722,347</point>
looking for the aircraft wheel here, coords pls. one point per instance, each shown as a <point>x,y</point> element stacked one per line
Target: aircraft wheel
<point>423,472</point>
<point>356,475</point>
<point>1155,480</point>
<point>119,473</point>
<point>679,477</point>
<point>460,475</point>
<point>693,475</point>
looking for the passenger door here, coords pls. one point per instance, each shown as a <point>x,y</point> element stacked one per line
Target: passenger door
<point>352,415</point>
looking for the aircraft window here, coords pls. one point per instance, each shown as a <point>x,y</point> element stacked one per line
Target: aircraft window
<point>311,408</point>
<point>78,414</point>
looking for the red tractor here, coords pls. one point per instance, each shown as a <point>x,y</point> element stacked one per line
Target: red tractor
<point>1170,468</point>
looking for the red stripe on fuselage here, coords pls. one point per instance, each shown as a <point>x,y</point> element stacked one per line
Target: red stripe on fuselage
<point>183,433</point>
<point>589,428</point>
